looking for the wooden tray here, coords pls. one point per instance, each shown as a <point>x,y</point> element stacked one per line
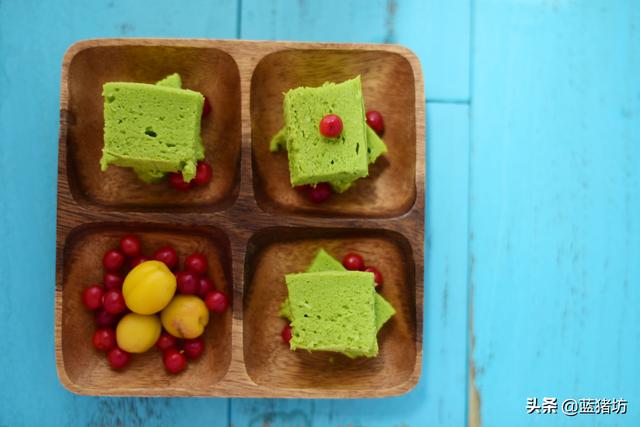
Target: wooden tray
<point>251,224</point>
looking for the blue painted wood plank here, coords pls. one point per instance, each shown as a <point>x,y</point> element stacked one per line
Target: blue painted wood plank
<point>437,31</point>
<point>33,38</point>
<point>555,196</point>
<point>439,399</point>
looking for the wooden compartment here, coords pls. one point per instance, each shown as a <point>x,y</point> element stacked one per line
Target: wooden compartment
<point>208,70</point>
<point>245,216</point>
<point>86,369</point>
<point>388,86</point>
<point>274,252</point>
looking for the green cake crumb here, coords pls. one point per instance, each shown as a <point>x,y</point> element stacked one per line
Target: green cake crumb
<point>320,324</point>
<point>154,129</point>
<point>314,158</point>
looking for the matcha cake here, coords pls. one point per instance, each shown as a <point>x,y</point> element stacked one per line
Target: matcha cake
<point>325,262</point>
<point>375,148</point>
<point>320,323</point>
<point>383,309</point>
<point>314,158</point>
<point>173,80</point>
<point>154,129</point>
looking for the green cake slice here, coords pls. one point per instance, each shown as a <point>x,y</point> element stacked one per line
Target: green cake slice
<point>153,129</point>
<point>173,80</point>
<point>375,146</point>
<point>314,158</point>
<point>332,311</point>
<point>323,261</point>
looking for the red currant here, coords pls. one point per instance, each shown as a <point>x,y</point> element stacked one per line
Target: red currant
<point>196,263</point>
<point>113,260</point>
<point>105,319</point>
<point>92,297</point>
<point>114,302</point>
<point>206,107</point>
<point>138,260</point>
<point>193,348</point>
<point>331,126</point>
<point>375,121</point>
<point>118,358</point>
<point>166,341</point>
<point>353,261</point>
<point>188,282</point>
<point>112,281</point>
<point>206,286</point>
<point>203,173</point>
<point>377,276</point>
<point>130,245</point>
<point>320,193</point>
<point>104,339</point>
<point>286,334</point>
<point>174,361</point>
<point>216,301</point>
<point>177,181</point>
<point>167,255</point>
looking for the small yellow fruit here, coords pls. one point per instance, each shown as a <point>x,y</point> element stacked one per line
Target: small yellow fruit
<point>149,287</point>
<point>137,333</point>
<point>185,317</point>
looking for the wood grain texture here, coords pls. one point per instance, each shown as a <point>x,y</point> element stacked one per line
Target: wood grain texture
<point>555,196</point>
<point>440,396</point>
<point>437,31</point>
<point>240,221</point>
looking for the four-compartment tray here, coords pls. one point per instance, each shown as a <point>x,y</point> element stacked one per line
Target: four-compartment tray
<point>252,226</point>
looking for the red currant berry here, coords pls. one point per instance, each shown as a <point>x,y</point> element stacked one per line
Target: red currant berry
<point>353,261</point>
<point>193,348</point>
<point>130,245</point>
<point>188,282</point>
<point>104,339</point>
<point>320,193</point>
<point>206,286</point>
<point>206,107</point>
<point>177,181</point>
<point>167,255</point>
<point>216,301</point>
<point>331,126</point>
<point>174,361</point>
<point>196,263</point>
<point>113,260</point>
<point>377,276</point>
<point>203,173</point>
<point>105,319</point>
<point>166,341</point>
<point>92,297</point>
<point>112,281</point>
<point>286,334</point>
<point>375,121</point>
<point>113,302</point>
<point>118,358</point>
<point>138,260</point>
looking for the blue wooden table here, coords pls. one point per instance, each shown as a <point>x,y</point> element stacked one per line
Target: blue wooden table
<point>533,218</point>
